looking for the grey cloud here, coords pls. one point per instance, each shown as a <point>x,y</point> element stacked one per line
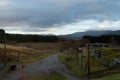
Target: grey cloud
<point>48,13</point>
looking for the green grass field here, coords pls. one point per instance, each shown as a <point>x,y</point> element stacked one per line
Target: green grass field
<point>110,77</point>
<point>72,65</point>
<point>99,66</point>
<point>33,59</point>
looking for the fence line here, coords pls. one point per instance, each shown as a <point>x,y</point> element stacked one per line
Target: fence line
<point>4,72</point>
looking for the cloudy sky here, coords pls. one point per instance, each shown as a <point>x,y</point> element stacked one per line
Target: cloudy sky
<point>58,16</point>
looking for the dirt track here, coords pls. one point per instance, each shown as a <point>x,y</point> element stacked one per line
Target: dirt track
<point>42,67</point>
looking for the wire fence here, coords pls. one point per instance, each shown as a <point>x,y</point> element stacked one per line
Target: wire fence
<point>4,70</point>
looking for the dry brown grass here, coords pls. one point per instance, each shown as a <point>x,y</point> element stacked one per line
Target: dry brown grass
<point>29,50</point>
<point>39,46</point>
<point>14,52</point>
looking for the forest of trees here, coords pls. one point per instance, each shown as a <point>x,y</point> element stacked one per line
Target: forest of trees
<point>104,39</point>
<point>27,38</point>
<point>113,39</point>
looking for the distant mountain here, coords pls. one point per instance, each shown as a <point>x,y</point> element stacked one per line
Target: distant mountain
<point>91,33</point>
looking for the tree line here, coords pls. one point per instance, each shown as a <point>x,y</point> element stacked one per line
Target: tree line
<point>27,38</point>
<point>104,39</point>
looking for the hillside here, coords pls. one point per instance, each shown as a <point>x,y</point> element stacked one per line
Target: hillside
<point>91,33</point>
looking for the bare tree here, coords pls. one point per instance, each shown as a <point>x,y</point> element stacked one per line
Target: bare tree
<point>113,42</point>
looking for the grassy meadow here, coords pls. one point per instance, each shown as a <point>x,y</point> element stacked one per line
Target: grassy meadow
<point>110,77</point>
<point>28,52</point>
<point>99,67</point>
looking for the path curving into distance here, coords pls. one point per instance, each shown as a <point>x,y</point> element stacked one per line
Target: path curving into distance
<point>42,67</point>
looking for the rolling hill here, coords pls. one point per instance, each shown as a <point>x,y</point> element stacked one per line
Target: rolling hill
<point>91,33</point>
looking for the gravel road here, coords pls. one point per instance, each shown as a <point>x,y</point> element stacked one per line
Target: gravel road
<point>42,67</point>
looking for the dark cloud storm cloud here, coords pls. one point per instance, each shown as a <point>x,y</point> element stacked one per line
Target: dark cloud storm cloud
<point>54,13</point>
